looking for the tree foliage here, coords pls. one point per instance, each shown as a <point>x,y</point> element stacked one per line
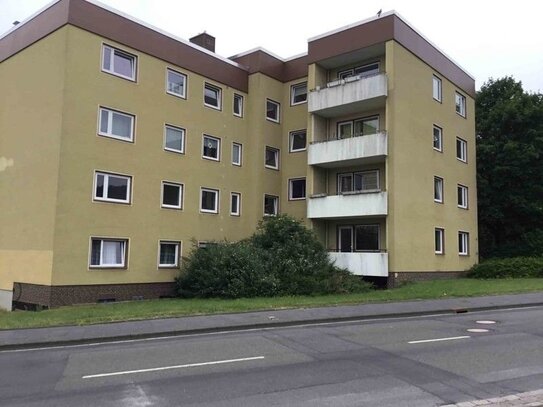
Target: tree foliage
<point>281,258</point>
<point>509,126</point>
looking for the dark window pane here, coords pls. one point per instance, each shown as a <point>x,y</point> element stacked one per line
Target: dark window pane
<point>167,253</point>
<point>271,157</point>
<point>174,139</point>
<point>117,188</point>
<point>272,110</point>
<point>270,205</point>
<point>234,204</point>
<point>367,237</point>
<point>297,188</point>
<point>211,96</point>
<point>100,186</point>
<point>171,195</point>
<point>95,252</point>
<point>211,147</point>
<point>208,200</point>
<point>299,140</point>
<point>345,183</point>
<point>299,93</point>
<point>104,117</point>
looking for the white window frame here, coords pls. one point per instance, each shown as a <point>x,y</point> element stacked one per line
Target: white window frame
<point>463,150</point>
<point>178,249</point>
<point>441,232</point>
<point>291,135</point>
<point>109,133</point>
<point>439,190</point>
<point>440,138</point>
<point>437,88</point>
<point>276,205</point>
<point>292,90</point>
<point>112,60</point>
<point>278,106</point>
<point>463,243</point>
<point>277,157</point>
<point>219,96</point>
<point>181,195</point>
<point>176,128</point>
<point>217,200</point>
<point>123,265</point>
<point>204,136</point>
<point>458,97</point>
<point>106,184</point>
<point>290,181</point>
<point>462,192</point>
<point>238,211</point>
<point>239,97</point>
<point>185,81</point>
<point>240,162</point>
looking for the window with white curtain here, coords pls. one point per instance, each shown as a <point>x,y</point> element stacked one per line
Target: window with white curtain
<point>109,253</point>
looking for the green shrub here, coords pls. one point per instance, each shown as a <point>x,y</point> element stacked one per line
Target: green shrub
<point>515,267</point>
<point>281,258</point>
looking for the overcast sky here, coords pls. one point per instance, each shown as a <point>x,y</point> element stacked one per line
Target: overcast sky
<point>488,38</point>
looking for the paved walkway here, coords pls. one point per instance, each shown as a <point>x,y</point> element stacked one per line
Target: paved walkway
<point>529,399</point>
<point>28,338</point>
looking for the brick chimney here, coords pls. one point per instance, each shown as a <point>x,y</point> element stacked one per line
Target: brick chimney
<point>204,40</point>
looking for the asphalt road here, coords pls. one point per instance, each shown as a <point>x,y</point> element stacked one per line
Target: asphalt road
<point>422,361</point>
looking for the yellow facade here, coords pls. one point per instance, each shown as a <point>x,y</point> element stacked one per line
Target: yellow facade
<point>51,148</point>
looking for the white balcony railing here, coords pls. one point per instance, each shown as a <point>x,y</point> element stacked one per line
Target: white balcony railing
<point>349,95</point>
<point>348,151</point>
<point>347,206</point>
<point>362,264</point>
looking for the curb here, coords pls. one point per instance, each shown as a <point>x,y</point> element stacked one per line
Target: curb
<point>254,326</point>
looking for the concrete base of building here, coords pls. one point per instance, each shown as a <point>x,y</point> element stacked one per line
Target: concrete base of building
<point>395,279</point>
<point>34,296</point>
<point>6,299</point>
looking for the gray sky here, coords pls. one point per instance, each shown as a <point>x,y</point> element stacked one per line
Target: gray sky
<point>488,38</point>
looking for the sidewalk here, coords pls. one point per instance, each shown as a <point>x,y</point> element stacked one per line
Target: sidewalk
<point>38,337</point>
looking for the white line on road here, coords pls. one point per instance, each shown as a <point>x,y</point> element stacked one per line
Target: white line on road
<point>157,369</point>
<point>452,338</point>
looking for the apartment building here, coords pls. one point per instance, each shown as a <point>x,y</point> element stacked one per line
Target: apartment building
<point>123,147</point>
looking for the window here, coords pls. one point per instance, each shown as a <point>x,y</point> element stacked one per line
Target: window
<point>438,138</point>
<point>116,124</point>
<point>364,70</point>
<point>366,237</point>
<point>297,140</point>
<point>358,181</point>
<point>168,255</point>
<point>439,237</point>
<point>272,110</point>
<point>436,88</point>
<point>236,154</point>
<point>359,127</point>
<point>461,149</point>
<point>296,189</point>
<point>438,189</point>
<point>209,200</point>
<point>462,196</point>
<point>460,101</point>
<point>272,158</point>
<point>211,148</point>
<point>108,253</point>
<point>235,204</point>
<point>119,63</point>
<point>176,83</point>
<point>463,243</point>
<point>271,205</point>
<point>298,94</point>
<point>212,96</point>
<point>111,187</point>
<point>174,139</point>
<point>172,195</point>
<point>238,105</point>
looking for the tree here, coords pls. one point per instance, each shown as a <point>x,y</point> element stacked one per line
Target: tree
<point>509,126</point>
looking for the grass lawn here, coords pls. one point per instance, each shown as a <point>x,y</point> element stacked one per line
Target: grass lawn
<point>125,311</point>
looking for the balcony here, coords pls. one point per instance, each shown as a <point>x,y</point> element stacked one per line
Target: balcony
<point>349,95</point>
<point>362,264</point>
<point>349,151</point>
<point>349,205</point>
